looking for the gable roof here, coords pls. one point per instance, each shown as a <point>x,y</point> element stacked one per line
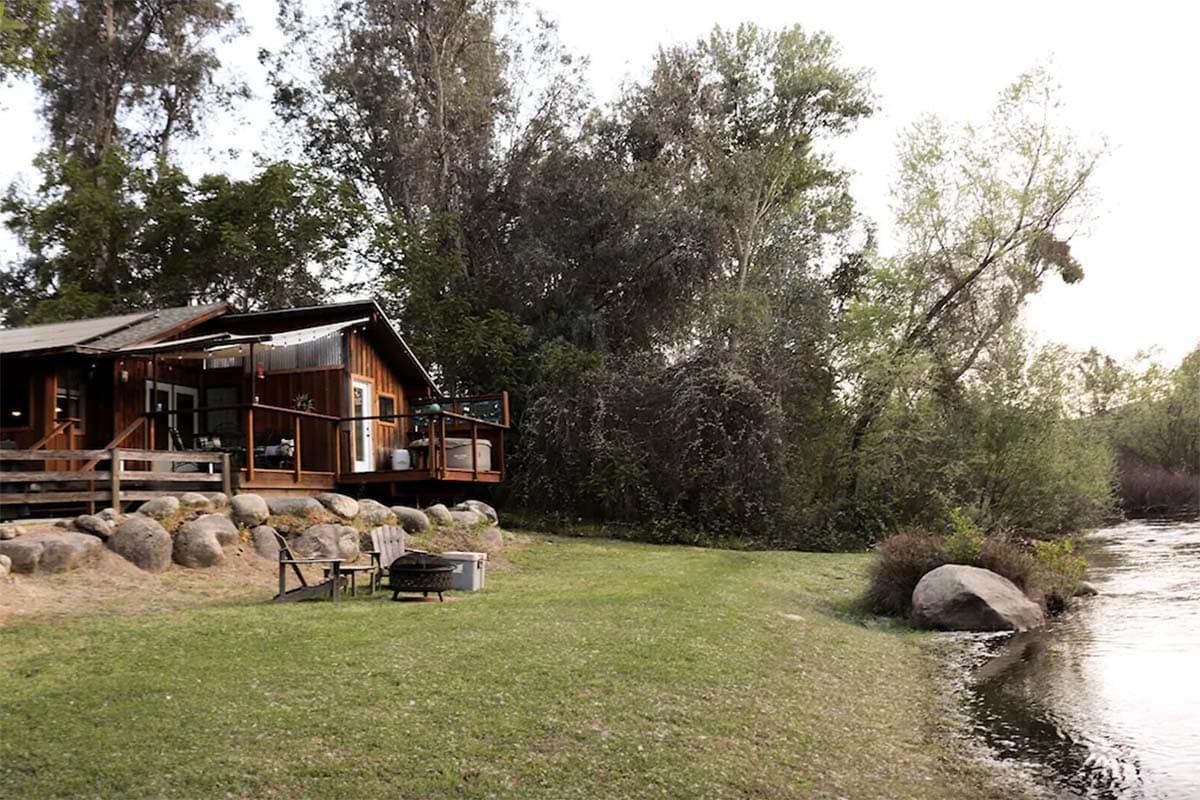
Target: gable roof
<point>104,334</point>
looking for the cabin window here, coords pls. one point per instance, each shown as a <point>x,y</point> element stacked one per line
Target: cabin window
<point>69,401</point>
<point>16,403</point>
<point>387,407</point>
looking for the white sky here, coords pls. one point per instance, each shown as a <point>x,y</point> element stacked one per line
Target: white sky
<point>1128,73</point>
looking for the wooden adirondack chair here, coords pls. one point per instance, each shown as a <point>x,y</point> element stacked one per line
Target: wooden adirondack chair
<point>332,585</point>
<point>389,543</point>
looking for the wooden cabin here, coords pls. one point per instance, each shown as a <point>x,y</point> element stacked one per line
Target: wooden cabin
<point>294,400</point>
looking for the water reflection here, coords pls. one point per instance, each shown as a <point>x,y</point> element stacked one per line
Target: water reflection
<point>1105,703</point>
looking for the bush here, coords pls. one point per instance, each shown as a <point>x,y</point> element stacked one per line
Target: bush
<point>902,560</point>
<point>965,541</point>
<point>1059,571</point>
<point>1149,488</point>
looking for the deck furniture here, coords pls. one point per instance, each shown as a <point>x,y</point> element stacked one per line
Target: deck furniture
<point>333,584</point>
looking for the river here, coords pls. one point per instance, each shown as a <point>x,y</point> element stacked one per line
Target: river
<point>1105,701</point>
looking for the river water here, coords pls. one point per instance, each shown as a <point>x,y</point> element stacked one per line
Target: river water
<point>1105,702</point>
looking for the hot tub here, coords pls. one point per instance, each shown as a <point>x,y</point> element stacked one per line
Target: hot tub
<point>458,452</point>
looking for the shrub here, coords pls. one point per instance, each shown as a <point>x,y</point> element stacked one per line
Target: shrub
<point>1059,571</point>
<point>1013,561</point>
<point>1149,488</point>
<point>965,541</point>
<point>901,561</point>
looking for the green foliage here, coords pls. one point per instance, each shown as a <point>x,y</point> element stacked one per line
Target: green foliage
<point>24,37</point>
<point>1060,570</point>
<point>112,237</point>
<point>964,544</point>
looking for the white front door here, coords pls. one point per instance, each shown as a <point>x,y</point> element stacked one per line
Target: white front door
<point>180,426</point>
<point>361,403</point>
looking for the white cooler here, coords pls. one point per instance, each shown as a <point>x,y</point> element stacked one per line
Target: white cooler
<point>469,570</point>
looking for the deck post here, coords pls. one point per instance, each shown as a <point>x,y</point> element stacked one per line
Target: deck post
<point>501,454</point>
<point>226,477</point>
<point>250,442</point>
<point>337,450</point>
<point>474,448</point>
<point>154,403</point>
<point>296,433</point>
<point>442,466</point>
<point>115,479</point>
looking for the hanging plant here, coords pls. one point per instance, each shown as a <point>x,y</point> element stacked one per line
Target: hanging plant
<point>304,402</point>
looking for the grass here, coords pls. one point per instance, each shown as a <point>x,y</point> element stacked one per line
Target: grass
<point>590,668</point>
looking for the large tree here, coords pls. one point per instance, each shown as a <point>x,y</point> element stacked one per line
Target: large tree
<point>984,215</point>
<point>135,74</point>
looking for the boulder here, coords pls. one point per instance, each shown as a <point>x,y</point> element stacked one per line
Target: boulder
<point>109,514</point>
<point>160,507</point>
<point>348,544</point>
<point>294,506</point>
<point>319,541</point>
<point>439,515</point>
<point>94,524</point>
<point>5,565</point>
<point>142,541</point>
<point>412,519</point>
<point>195,499</point>
<point>249,510</point>
<point>492,539</point>
<point>218,499</point>
<point>224,531</point>
<point>59,551</point>
<point>68,550</point>
<point>468,518</point>
<point>196,545</point>
<point>24,553</point>
<point>345,507</point>
<point>265,543</point>
<point>10,532</point>
<point>955,597</point>
<point>479,507</point>
<point>1085,589</point>
<point>372,513</point>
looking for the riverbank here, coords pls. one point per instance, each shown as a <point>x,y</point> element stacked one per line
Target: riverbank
<point>590,668</point>
<point>1101,702</point>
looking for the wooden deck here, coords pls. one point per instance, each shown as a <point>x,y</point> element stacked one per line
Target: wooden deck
<point>417,475</point>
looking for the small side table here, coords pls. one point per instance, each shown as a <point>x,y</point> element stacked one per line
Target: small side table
<point>353,570</point>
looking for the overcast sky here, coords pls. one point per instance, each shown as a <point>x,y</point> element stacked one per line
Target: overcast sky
<point>1128,72</point>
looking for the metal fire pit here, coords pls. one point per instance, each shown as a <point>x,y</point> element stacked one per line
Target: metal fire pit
<point>420,572</point>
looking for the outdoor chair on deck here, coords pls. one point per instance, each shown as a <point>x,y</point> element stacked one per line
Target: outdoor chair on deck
<point>333,583</point>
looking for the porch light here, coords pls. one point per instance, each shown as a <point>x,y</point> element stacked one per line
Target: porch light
<point>16,412</point>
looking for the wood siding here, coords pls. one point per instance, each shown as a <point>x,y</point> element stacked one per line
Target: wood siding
<point>364,361</point>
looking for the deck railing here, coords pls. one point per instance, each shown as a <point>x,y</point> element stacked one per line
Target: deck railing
<point>281,442</point>
<point>112,485</point>
<point>431,426</point>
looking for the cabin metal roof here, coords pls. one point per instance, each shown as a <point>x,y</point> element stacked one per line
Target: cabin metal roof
<point>125,332</point>
<point>102,334</point>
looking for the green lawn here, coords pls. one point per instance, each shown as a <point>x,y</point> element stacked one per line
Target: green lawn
<point>592,669</point>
